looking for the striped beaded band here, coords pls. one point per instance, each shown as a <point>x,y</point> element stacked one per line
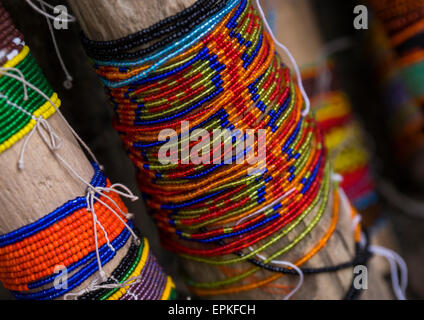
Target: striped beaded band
<point>29,255</point>
<point>223,75</point>
<point>171,29</point>
<point>82,235</point>
<point>64,237</point>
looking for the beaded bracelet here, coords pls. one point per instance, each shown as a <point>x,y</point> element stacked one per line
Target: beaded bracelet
<point>59,233</point>
<point>173,32</point>
<point>224,75</point>
<point>153,30</point>
<point>82,235</point>
<point>18,117</point>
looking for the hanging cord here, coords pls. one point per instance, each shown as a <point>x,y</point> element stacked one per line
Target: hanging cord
<point>292,60</point>
<point>68,82</point>
<point>54,143</point>
<point>396,262</point>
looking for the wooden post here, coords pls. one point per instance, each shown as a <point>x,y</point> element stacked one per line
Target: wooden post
<point>107,20</point>
<point>44,184</point>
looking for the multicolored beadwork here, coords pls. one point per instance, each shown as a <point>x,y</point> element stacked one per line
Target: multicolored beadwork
<point>81,235</point>
<point>223,75</point>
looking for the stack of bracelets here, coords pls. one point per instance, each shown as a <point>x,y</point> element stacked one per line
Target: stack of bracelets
<point>343,138</point>
<point>399,49</point>
<point>218,70</point>
<point>31,255</point>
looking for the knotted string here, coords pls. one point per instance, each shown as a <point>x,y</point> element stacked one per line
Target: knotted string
<point>54,143</point>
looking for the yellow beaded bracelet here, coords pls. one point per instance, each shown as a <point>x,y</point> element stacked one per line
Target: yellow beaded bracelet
<point>45,111</point>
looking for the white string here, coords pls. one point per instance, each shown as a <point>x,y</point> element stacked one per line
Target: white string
<point>11,103</point>
<point>90,207</point>
<point>54,143</point>
<point>336,177</point>
<point>292,60</point>
<point>290,265</point>
<point>394,259</point>
<point>68,82</point>
<point>22,76</point>
<point>98,190</point>
<point>70,18</point>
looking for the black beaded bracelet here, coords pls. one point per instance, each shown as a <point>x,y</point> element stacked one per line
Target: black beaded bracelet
<point>120,271</point>
<point>362,256</point>
<point>172,33</point>
<point>153,29</point>
<point>131,41</point>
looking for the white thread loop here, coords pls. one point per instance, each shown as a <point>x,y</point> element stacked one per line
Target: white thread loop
<point>50,138</point>
<point>279,262</point>
<point>90,207</point>
<point>292,60</point>
<point>395,261</point>
<point>94,193</point>
<point>336,177</point>
<point>290,265</point>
